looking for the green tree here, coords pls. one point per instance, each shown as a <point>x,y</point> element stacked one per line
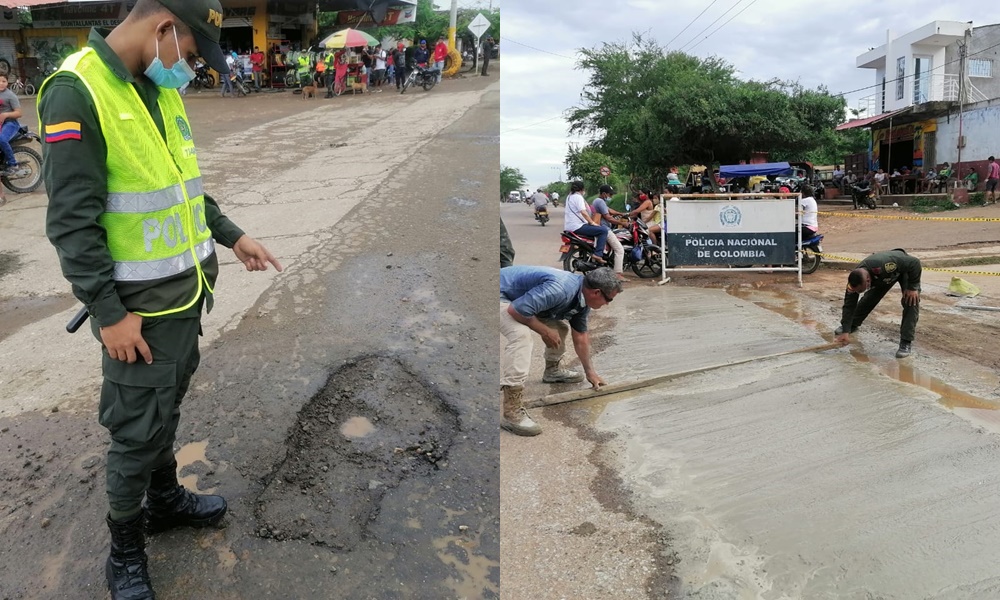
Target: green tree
<point>585,164</point>
<point>511,179</point>
<point>429,25</point>
<point>653,109</point>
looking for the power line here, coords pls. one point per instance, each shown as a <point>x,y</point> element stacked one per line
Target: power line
<point>507,39</point>
<point>738,2</point>
<point>531,125</point>
<point>724,24</point>
<point>689,24</point>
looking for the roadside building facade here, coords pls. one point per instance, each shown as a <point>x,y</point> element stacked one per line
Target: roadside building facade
<point>920,97</point>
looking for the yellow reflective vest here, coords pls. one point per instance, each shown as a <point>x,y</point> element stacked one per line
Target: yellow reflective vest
<point>155,210</point>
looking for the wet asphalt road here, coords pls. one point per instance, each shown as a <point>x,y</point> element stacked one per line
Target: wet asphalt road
<point>349,415</point>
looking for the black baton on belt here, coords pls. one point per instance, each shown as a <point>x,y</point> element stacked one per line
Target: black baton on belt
<point>77,320</point>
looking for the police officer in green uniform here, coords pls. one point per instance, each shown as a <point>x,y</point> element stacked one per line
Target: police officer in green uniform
<point>875,276</point>
<point>506,248</point>
<point>303,70</point>
<point>135,235</point>
<point>330,73</point>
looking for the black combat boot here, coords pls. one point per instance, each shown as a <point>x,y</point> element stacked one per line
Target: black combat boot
<point>126,566</point>
<point>169,505</point>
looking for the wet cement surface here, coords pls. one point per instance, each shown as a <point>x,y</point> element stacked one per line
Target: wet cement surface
<point>841,474</point>
<point>379,318</point>
<point>805,476</point>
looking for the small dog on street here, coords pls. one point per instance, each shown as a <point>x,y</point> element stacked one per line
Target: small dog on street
<point>308,90</point>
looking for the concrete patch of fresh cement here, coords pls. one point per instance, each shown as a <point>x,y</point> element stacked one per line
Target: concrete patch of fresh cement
<point>805,476</point>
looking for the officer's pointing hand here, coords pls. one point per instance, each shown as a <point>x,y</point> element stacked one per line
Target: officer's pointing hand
<point>254,255</point>
<point>125,337</point>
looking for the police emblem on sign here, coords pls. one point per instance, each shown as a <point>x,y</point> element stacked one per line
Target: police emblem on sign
<point>730,216</point>
<point>184,129</point>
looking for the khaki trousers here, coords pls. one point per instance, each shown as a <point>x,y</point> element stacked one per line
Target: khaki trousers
<point>618,250</point>
<point>516,359</point>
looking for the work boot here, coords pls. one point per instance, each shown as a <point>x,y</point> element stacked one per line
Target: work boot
<point>553,374</point>
<point>169,504</point>
<point>125,570</point>
<point>904,349</point>
<point>515,417</point>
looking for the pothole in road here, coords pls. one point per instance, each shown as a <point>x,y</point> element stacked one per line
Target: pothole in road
<point>370,427</point>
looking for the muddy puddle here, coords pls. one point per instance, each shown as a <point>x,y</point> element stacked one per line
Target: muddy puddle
<point>981,411</point>
<point>373,425</point>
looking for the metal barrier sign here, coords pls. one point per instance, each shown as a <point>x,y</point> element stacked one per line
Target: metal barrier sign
<point>732,232</point>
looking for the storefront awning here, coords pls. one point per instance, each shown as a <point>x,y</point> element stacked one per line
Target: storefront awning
<point>867,122</point>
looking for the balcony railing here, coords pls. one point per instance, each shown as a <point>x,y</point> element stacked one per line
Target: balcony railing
<point>930,88</point>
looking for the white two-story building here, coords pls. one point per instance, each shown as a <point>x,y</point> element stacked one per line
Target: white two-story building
<point>920,112</point>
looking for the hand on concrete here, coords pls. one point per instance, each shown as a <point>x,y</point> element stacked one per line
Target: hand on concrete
<point>595,380</point>
<point>550,337</point>
<point>843,338</point>
<point>254,255</point>
<point>124,337</point>
<point>911,297</point>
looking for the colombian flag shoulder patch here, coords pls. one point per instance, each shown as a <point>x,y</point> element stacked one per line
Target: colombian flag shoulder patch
<point>59,132</point>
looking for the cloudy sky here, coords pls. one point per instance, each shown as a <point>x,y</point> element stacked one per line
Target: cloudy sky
<point>815,42</point>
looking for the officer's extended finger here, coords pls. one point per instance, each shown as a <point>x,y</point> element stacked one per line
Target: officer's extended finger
<point>144,350</point>
<point>274,261</point>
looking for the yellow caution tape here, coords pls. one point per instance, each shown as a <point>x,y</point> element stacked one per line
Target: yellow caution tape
<point>939,270</point>
<point>860,215</point>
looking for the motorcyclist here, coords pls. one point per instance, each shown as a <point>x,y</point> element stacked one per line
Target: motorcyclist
<point>810,213</point>
<point>540,200</point>
<point>422,54</point>
<point>860,190</point>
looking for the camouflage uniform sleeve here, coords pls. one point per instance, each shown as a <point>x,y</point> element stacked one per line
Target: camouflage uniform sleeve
<point>506,248</point>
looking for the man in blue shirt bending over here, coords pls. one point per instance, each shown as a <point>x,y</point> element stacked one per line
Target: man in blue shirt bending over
<point>549,302</point>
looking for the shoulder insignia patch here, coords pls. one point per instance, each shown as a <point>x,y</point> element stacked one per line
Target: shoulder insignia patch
<point>890,267</point>
<point>182,126</point>
<point>59,132</point>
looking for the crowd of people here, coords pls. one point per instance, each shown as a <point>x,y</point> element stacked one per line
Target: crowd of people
<point>917,180</point>
<point>335,70</point>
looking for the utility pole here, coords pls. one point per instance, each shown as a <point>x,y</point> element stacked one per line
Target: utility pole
<point>963,51</point>
<point>453,24</point>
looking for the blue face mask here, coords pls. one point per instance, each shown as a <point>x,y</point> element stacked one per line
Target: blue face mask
<point>173,77</point>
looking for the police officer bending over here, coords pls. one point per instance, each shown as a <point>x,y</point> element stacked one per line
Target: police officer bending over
<point>875,276</point>
<point>136,235</point>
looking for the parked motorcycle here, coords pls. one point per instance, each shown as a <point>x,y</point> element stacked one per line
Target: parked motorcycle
<point>27,175</point>
<point>641,254</point>
<point>812,250</point>
<point>239,82</point>
<point>422,76</point>
<point>202,78</point>
<point>542,215</point>
<point>864,196</point>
